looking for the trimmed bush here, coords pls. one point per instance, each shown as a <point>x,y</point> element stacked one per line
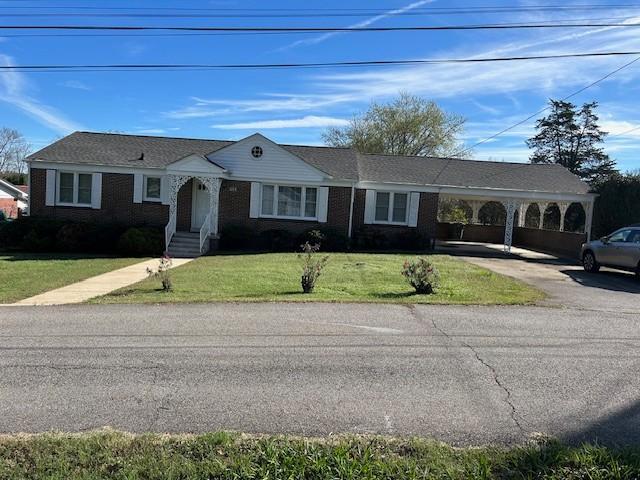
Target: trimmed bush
<point>330,239</point>
<point>237,237</point>
<point>276,241</point>
<point>141,241</point>
<point>421,274</point>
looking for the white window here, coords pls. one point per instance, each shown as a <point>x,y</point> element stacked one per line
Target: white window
<point>74,188</point>
<point>152,189</point>
<point>391,207</point>
<point>283,201</point>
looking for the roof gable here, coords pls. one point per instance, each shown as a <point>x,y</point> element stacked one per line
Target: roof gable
<point>275,163</point>
<point>194,164</point>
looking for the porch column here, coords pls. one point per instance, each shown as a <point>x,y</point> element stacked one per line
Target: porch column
<point>588,218</point>
<point>510,207</point>
<point>543,208</point>
<point>524,206</point>
<point>175,182</point>
<point>562,206</point>
<point>213,186</point>
<point>476,205</point>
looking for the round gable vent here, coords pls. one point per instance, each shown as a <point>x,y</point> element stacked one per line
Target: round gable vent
<point>256,152</point>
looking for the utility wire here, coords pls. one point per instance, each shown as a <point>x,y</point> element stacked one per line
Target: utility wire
<point>318,29</point>
<point>204,66</point>
<point>592,84</point>
<point>458,154</point>
<point>625,132</point>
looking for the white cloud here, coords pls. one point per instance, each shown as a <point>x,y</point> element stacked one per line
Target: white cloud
<point>150,131</point>
<point>310,121</point>
<point>76,84</point>
<point>364,23</point>
<point>620,128</point>
<point>12,91</point>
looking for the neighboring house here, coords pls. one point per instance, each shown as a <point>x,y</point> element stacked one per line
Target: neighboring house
<point>203,186</point>
<point>13,199</point>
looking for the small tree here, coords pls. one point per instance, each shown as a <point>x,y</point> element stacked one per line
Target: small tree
<point>163,273</point>
<point>311,266</point>
<point>421,274</point>
<point>409,125</point>
<point>571,137</point>
<point>13,150</point>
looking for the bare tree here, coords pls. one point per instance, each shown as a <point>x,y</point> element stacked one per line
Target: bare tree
<point>13,150</point>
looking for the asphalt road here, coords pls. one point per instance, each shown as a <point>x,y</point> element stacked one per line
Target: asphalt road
<point>466,375</point>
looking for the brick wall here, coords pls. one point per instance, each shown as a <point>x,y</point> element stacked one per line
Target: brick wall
<point>567,244</point>
<point>235,197</point>
<point>427,217</point>
<point>116,207</point>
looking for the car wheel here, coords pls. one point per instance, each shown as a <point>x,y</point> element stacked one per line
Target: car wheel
<point>589,263</point>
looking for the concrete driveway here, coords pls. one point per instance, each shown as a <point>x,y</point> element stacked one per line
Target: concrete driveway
<point>466,375</point>
<point>564,280</point>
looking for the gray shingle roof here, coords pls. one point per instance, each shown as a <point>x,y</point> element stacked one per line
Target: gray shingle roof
<point>340,163</point>
<point>469,173</point>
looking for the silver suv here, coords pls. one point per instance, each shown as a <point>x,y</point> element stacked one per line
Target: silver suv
<point>620,250</point>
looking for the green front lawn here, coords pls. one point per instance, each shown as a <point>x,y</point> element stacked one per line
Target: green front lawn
<point>25,275</point>
<point>348,277</point>
<point>113,455</point>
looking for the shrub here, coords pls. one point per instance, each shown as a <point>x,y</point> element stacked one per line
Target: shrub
<point>163,273</point>
<point>236,237</point>
<point>412,240</point>
<point>311,266</point>
<point>141,241</point>
<point>371,239</point>
<point>72,237</point>
<point>276,241</point>
<point>421,274</point>
<point>330,239</point>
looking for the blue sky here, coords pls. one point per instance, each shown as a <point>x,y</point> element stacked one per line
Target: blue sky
<point>296,106</point>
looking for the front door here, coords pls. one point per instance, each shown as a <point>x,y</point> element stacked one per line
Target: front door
<point>200,205</point>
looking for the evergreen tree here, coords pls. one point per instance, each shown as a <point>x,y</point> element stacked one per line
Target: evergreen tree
<point>572,137</point>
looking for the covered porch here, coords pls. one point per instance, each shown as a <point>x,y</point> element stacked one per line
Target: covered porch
<point>193,195</point>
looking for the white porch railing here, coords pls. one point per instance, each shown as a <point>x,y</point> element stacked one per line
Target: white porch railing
<point>205,231</point>
<point>169,230</point>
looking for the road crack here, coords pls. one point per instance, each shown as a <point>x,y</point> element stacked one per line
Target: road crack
<point>496,379</point>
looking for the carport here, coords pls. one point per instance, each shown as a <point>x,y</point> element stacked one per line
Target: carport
<point>549,216</point>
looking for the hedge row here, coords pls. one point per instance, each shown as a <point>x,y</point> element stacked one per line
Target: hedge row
<point>238,237</point>
<point>37,234</point>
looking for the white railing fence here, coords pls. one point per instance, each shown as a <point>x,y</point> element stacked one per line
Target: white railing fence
<point>205,231</point>
<point>169,230</point>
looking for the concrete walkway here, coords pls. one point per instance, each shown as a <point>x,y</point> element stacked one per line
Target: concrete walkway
<point>98,285</point>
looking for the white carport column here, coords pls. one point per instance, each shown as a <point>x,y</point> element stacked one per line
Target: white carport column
<point>562,206</point>
<point>588,218</point>
<point>542,207</point>
<point>476,205</point>
<point>510,206</point>
<point>522,212</point>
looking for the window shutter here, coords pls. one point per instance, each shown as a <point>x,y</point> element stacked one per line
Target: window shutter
<point>414,205</point>
<point>96,191</point>
<point>369,206</point>
<point>164,190</point>
<point>137,187</point>
<point>323,204</point>
<point>50,189</point>
<point>254,202</point>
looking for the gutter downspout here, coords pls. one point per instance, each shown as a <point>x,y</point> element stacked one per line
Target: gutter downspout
<point>353,195</point>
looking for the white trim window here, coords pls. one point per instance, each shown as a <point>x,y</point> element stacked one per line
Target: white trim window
<point>152,188</point>
<point>74,188</point>
<point>391,208</point>
<point>288,201</point>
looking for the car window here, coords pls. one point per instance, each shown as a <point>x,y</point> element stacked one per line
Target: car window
<point>620,236</point>
<point>634,237</point>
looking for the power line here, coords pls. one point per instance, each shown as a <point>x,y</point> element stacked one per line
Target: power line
<point>173,34</point>
<point>317,29</point>
<point>205,66</point>
<point>625,132</point>
<point>462,152</point>
<point>601,79</point>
